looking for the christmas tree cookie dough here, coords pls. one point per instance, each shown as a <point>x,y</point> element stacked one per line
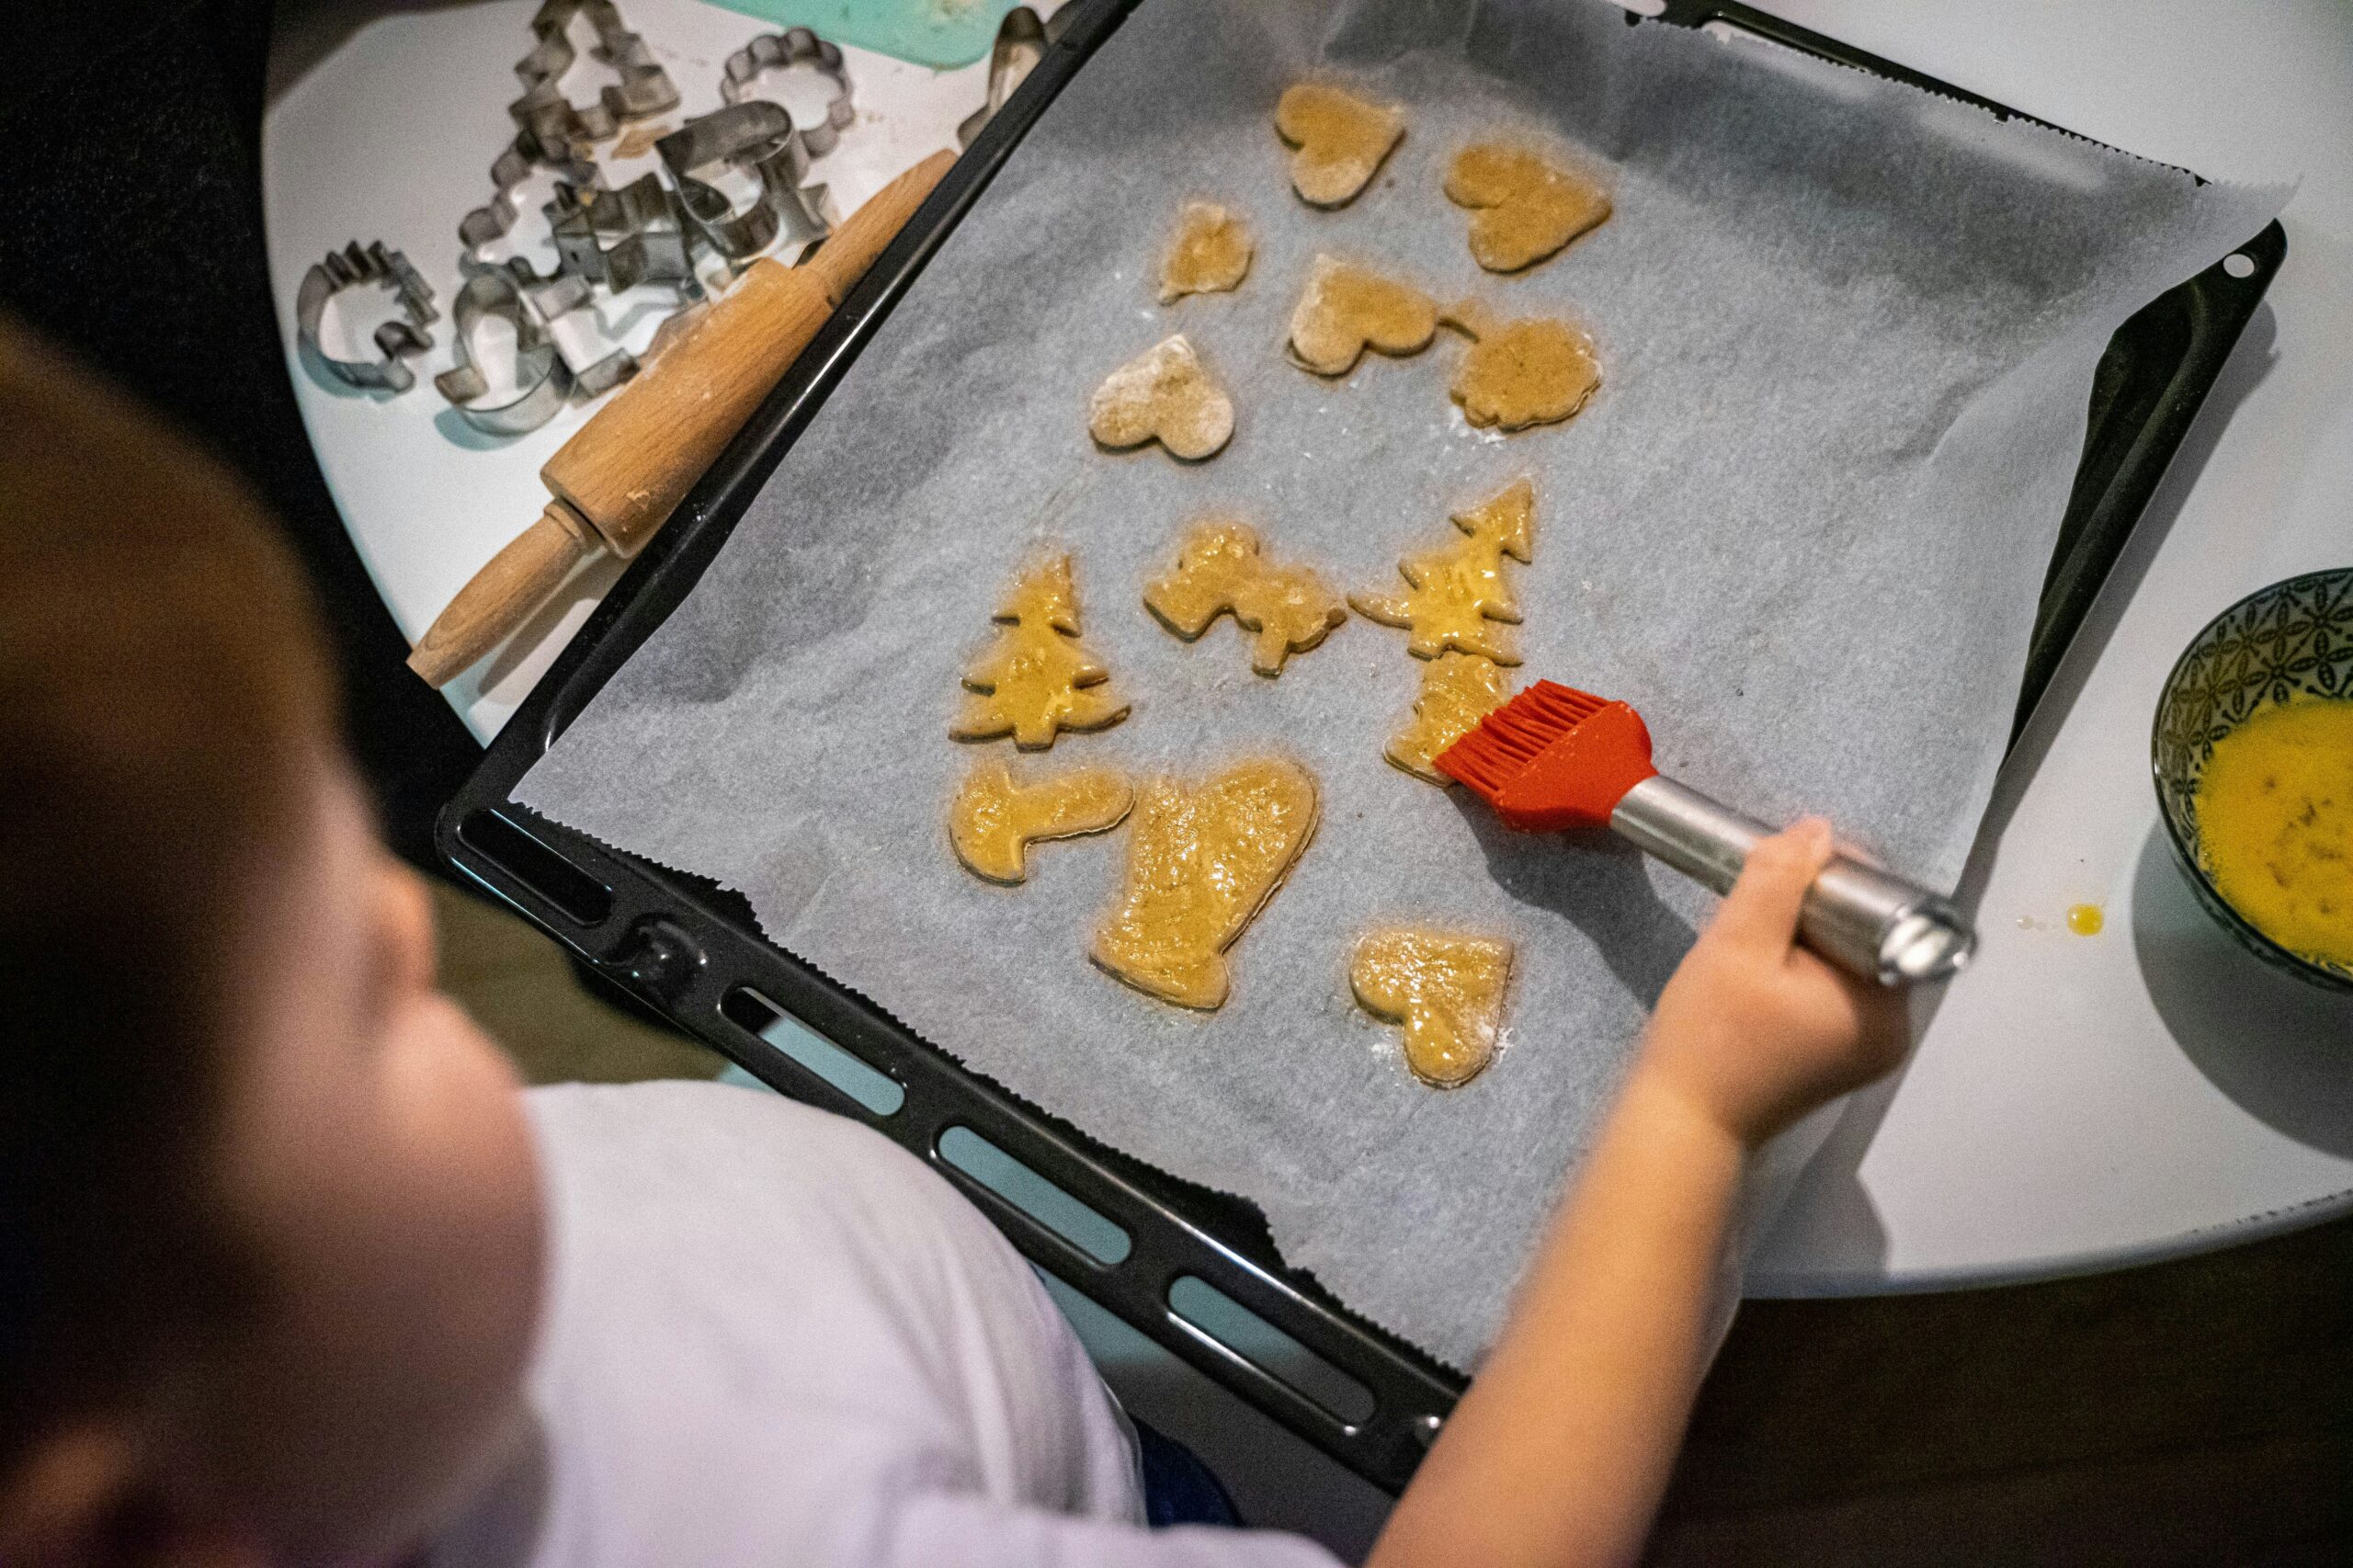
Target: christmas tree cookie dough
<point>1346,308</point>
<point>1446,990</point>
<point>1524,207</point>
<point>1459,596</point>
<point>1339,140</point>
<point>1210,254</point>
<point>1516,374</point>
<point>1201,862</point>
<point>1165,392</point>
<point>993,821</point>
<point>1222,567</point>
<point>1457,690</point>
<point>1036,678</point>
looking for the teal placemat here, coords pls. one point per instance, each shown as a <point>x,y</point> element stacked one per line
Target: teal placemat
<point>941,33</point>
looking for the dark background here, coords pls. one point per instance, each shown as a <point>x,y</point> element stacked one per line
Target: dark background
<point>132,237</point>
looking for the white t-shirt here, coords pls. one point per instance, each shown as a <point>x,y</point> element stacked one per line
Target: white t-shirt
<point>774,1339</point>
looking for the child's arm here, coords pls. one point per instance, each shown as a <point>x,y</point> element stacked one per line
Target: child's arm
<point>1561,1448</point>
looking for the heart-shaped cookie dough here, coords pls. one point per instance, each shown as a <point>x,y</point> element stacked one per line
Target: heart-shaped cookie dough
<point>1524,206</point>
<point>1346,308</point>
<point>1339,140</point>
<point>1446,990</point>
<point>1538,370</point>
<point>1165,392</point>
<point>1210,254</point>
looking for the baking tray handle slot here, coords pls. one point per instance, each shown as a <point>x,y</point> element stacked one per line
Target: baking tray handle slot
<point>1209,1315</point>
<point>540,870</point>
<point>1049,1203</point>
<point>872,1090</point>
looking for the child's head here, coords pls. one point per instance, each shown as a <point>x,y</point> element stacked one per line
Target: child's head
<point>270,1224</point>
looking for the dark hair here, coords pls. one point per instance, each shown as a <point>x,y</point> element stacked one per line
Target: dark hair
<point>161,689</point>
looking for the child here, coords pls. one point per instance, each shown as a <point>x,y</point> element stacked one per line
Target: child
<point>291,1272</point>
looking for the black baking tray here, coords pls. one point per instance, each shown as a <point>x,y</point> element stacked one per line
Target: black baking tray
<point>690,948</point>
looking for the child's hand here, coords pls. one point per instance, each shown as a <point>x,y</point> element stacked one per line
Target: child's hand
<point>1754,1031</point>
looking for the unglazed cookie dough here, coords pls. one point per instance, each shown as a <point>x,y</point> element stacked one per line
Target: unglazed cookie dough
<point>1516,374</point>
<point>1036,678</point>
<point>1458,597</point>
<point>1346,308</point>
<point>1222,567</point>
<point>1210,254</point>
<point>1524,207</point>
<point>1201,862</point>
<point>1457,690</point>
<point>1165,392</point>
<point>993,821</point>
<point>1339,140</point>
<point>1446,990</point>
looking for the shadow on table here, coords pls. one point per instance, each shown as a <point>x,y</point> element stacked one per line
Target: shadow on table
<point>2281,1049</point>
<point>590,582</point>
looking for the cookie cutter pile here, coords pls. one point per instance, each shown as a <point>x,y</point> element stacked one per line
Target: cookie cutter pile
<point>685,231</point>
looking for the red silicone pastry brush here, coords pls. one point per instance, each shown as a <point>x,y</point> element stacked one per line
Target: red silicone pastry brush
<point>1555,758</point>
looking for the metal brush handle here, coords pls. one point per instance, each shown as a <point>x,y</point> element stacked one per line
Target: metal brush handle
<point>1860,918</point>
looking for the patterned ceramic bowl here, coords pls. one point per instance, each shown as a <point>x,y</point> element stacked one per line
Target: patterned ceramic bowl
<point>2291,639</point>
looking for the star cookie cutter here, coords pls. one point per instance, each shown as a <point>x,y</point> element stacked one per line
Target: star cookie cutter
<point>623,238</point>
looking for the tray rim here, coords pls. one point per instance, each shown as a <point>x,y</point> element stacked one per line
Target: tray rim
<point>640,944</point>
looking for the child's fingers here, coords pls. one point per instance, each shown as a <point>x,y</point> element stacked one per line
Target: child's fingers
<point>1761,910</point>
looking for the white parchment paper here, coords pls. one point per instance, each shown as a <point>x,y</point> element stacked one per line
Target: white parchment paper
<point>1848,331</point>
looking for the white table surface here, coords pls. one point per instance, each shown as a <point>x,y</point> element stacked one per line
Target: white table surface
<point>2076,1102</point>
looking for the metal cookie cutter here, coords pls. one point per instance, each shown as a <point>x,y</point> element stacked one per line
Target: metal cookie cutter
<point>493,218</point>
<point>542,380</point>
<point>757,136</point>
<point>1021,42</point>
<point>556,129</point>
<point>386,268</point>
<point>780,51</point>
<point>621,238</point>
<point>558,296</point>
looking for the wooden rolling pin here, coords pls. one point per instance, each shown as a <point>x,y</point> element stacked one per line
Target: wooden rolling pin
<point>622,473</point>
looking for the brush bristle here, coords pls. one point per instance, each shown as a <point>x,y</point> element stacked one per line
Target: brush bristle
<point>1507,740</point>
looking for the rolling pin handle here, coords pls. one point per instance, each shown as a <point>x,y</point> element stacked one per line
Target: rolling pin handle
<point>503,595</point>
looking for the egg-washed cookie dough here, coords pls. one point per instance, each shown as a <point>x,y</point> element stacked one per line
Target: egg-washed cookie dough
<point>993,821</point>
<point>1037,680</point>
<point>1339,140</point>
<point>1201,863</point>
<point>1457,690</point>
<point>1515,374</point>
<point>1460,597</point>
<point>1346,308</point>
<point>1166,393</point>
<point>1210,254</point>
<point>1524,207</point>
<point>1446,990</point>
<point>1222,567</point>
